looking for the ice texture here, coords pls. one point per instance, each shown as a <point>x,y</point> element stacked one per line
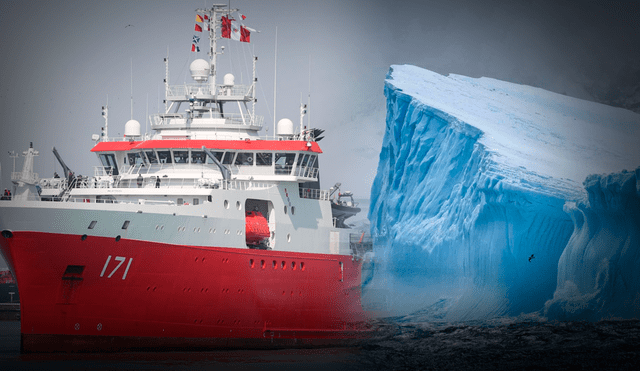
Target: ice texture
<point>478,208</point>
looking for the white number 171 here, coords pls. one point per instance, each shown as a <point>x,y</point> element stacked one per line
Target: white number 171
<point>121,259</point>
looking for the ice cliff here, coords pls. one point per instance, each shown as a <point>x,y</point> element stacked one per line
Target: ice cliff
<point>478,207</point>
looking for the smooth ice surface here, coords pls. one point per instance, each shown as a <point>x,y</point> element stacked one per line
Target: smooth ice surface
<point>477,176</point>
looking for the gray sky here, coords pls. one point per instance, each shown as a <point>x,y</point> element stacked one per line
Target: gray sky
<point>61,59</point>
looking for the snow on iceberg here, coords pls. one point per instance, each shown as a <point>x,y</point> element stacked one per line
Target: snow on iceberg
<point>467,207</point>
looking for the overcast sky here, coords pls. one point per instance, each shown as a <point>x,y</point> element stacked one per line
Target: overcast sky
<point>62,59</point>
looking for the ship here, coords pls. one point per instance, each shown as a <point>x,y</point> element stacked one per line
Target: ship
<point>203,234</point>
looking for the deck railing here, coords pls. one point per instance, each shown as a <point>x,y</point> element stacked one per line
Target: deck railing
<point>314,194</point>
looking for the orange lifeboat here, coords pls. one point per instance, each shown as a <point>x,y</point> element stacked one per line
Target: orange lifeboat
<point>257,229</point>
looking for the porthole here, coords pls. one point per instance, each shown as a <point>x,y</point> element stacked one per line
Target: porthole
<point>288,237</point>
<point>226,204</point>
<point>125,225</point>
<point>84,237</point>
<point>117,238</point>
<point>238,205</point>
<point>157,227</point>
<point>293,210</point>
<point>301,266</point>
<point>93,224</point>
<point>283,265</point>
<point>210,230</point>
<point>293,266</point>
<point>275,265</point>
<point>285,209</point>
<point>251,263</point>
<point>162,227</point>
<point>262,264</point>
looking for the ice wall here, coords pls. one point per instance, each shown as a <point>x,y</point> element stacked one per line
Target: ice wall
<point>598,274</point>
<point>471,183</point>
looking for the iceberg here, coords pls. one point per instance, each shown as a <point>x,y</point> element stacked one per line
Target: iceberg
<point>478,208</point>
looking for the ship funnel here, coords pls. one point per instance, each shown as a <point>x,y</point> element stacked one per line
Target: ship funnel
<point>132,129</point>
<point>199,70</point>
<point>285,127</point>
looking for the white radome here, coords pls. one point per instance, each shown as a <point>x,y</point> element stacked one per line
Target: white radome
<point>199,70</point>
<point>285,127</point>
<point>132,128</point>
<point>228,79</point>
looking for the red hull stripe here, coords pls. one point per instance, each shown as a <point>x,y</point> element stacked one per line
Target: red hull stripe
<point>99,290</point>
<point>245,145</point>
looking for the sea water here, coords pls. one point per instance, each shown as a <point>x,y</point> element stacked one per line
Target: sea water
<point>402,343</point>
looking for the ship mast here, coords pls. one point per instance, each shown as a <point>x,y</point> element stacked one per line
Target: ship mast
<point>214,14</point>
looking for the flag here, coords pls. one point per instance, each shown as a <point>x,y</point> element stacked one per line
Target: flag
<point>242,16</point>
<point>235,31</point>
<point>206,17</point>
<point>199,18</point>
<point>226,27</point>
<point>195,48</point>
<point>196,39</point>
<point>198,28</point>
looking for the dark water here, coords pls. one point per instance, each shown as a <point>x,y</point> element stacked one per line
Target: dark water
<point>401,344</point>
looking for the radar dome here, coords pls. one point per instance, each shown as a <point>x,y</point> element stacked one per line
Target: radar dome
<point>132,128</point>
<point>199,70</point>
<point>285,127</point>
<point>228,79</point>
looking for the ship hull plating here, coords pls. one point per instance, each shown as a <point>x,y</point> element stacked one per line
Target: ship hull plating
<point>89,293</point>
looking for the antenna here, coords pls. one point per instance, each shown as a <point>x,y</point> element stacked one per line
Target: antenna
<point>166,82</point>
<point>309,96</point>
<point>275,80</point>
<point>132,88</point>
<point>105,115</point>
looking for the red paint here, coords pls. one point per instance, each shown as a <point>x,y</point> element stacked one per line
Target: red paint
<point>244,145</point>
<point>175,295</point>
<point>257,228</point>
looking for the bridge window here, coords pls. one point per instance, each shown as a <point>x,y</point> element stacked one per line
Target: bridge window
<point>264,159</point>
<point>151,156</point>
<point>197,157</point>
<point>164,157</point>
<point>284,162</point>
<point>244,158</point>
<point>312,161</point>
<point>217,155</point>
<point>181,157</point>
<point>134,158</point>
<point>228,158</point>
<point>109,163</point>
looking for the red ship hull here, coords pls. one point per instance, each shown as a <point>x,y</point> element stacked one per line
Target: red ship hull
<point>103,294</point>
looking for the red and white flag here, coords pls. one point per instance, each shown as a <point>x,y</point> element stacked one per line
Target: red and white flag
<point>226,28</point>
<point>239,32</point>
<point>231,29</point>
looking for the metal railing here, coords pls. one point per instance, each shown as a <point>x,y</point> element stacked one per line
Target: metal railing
<point>314,194</point>
<point>185,91</point>
<point>307,172</point>
<point>168,121</point>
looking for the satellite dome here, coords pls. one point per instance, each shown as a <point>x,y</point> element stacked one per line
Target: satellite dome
<point>228,79</point>
<point>132,128</point>
<point>285,127</point>
<point>199,70</point>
